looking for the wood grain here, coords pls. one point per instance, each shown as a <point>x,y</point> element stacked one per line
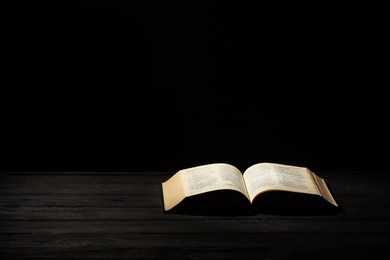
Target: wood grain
<point>119,216</point>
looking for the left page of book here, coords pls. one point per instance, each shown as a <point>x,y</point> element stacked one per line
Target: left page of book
<point>211,177</point>
<point>201,179</point>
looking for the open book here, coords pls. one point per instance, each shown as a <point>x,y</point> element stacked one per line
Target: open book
<point>221,185</point>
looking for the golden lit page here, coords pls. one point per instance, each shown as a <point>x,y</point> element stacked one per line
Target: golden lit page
<point>263,177</point>
<point>210,177</point>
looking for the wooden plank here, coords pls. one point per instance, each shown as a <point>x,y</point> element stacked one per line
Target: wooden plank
<point>141,184</point>
<point>147,200</point>
<point>87,173</point>
<point>318,252</point>
<point>85,215</point>
<point>79,184</point>
<point>261,225</point>
<point>77,200</point>
<point>147,213</point>
<point>167,174</point>
<point>194,246</point>
<point>223,240</point>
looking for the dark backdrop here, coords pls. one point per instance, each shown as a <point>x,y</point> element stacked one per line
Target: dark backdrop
<point>163,85</point>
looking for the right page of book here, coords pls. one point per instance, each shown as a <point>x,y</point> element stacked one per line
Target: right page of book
<point>264,177</point>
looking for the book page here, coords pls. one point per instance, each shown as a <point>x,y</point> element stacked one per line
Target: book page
<point>323,188</point>
<point>270,176</point>
<point>173,192</point>
<point>217,176</point>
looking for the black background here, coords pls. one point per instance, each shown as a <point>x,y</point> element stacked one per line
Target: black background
<point>164,85</point>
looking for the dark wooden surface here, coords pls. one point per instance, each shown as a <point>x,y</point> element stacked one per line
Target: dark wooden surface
<point>119,215</point>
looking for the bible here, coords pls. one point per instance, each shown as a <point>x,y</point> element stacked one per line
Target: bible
<point>264,186</point>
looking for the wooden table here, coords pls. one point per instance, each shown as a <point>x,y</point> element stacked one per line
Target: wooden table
<point>119,215</point>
